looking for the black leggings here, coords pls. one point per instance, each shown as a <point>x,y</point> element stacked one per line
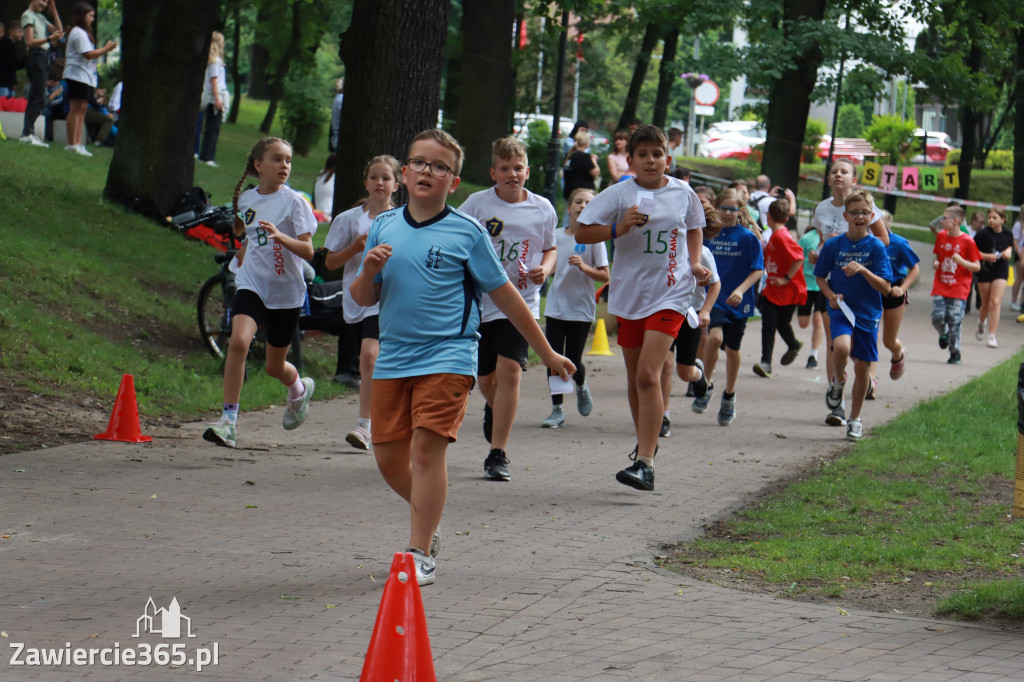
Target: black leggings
<point>568,337</point>
<point>776,317</point>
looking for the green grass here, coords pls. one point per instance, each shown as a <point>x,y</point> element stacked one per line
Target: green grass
<point>930,492</point>
<point>91,291</point>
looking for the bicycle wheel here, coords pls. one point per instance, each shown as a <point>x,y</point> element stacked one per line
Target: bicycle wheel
<point>214,313</point>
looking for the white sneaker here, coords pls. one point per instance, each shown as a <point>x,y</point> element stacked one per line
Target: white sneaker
<point>32,140</point>
<point>982,329</point>
<point>222,433</point>
<point>297,410</point>
<point>211,164</point>
<point>992,341</point>
<point>425,566</point>
<point>854,430</point>
<point>1015,307</point>
<point>358,438</point>
<point>82,151</point>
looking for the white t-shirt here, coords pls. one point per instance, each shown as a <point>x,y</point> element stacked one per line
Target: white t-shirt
<point>77,67</point>
<point>270,270</point>
<point>215,70</point>
<point>700,294</point>
<point>346,228</point>
<point>1018,233</point>
<point>830,221</point>
<point>520,234</point>
<point>114,103</point>
<point>323,193</point>
<point>571,296</point>
<point>762,200</point>
<point>652,264</point>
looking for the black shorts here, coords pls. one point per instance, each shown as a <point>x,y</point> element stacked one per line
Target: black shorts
<point>990,272</point>
<point>78,90</point>
<point>280,323</point>
<point>368,327</point>
<point>894,302</point>
<point>687,342</point>
<point>733,327</point>
<point>500,337</point>
<point>816,302</point>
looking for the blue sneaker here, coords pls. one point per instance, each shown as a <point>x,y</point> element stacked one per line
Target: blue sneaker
<point>700,404</point>
<point>584,401</point>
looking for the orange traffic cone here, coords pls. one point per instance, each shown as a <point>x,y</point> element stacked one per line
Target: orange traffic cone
<point>400,646</point>
<point>600,345</point>
<point>124,420</point>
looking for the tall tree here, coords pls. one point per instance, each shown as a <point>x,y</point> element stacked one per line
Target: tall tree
<point>390,94</point>
<point>486,67</point>
<point>1018,120</point>
<point>667,77</point>
<point>276,84</point>
<point>643,60</point>
<point>153,163</point>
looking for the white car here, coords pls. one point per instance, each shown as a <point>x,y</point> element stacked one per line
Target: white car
<point>731,139</point>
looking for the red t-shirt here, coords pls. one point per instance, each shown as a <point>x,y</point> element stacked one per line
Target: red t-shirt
<point>952,280</point>
<point>779,255</point>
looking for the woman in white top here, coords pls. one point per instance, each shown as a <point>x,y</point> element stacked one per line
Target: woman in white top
<point>215,100</point>
<point>323,188</point>
<point>1018,265</point>
<point>80,72</point>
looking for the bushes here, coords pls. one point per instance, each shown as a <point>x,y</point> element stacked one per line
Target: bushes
<point>538,134</point>
<point>893,136</point>
<point>813,133</point>
<point>998,159</point>
<point>304,111</point>
<point>850,122</point>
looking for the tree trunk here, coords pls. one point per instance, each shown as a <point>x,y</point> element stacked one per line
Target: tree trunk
<point>383,120</point>
<point>259,57</point>
<point>969,125</point>
<point>487,64</point>
<point>1018,123</point>
<point>236,55</point>
<point>281,73</point>
<point>666,78</point>
<point>643,60</point>
<point>790,101</point>
<point>152,164</point>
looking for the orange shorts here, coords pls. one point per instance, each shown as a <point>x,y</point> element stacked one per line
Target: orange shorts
<point>434,401</point>
<point>631,332</point>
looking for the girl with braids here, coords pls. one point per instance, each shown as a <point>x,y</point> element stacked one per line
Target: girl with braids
<point>279,227</point>
<point>345,243</point>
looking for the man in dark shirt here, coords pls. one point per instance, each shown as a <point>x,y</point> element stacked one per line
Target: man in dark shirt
<point>12,58</point>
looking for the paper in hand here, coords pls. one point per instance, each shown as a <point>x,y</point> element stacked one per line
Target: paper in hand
<point>691,318</point>
<point>645,202</point>
<point>560,386</point>
<point>847,312</point>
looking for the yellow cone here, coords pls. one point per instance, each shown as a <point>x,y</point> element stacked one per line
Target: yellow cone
<point>600,345</point>
<point>1009,278</point>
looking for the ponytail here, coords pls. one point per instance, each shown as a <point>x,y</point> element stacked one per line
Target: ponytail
<point>238,227</point>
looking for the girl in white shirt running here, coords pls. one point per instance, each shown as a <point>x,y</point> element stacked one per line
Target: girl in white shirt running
<point>345,243</point>
<point>271,290</point>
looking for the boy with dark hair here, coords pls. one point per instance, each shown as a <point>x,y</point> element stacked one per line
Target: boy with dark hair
<point>427,265</point>
<point>956,259</point>
<point>656,221</point>
<point>522,229</point>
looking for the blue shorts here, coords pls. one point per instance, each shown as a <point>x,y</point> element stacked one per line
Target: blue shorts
<point>863,343</point>
<point>733,326</point>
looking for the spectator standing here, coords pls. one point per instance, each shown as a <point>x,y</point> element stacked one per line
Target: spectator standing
<point>332,141</point>
<point>38,33</point>
<point>618,159</point>
<point>581,167</point>
<point>323,188</point>
<point>12,59</point>
<point>215,100</point>
<point>80,72</point>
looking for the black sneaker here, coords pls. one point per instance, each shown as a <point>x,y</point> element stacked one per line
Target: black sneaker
<point>790,355</point>
<point>943,341</point>
<point>699,388</point>
<point>954,358</point>
<point>637,475</point>
<point>666,428</point>
<point>496,466</point>
<point>488,421</point>
<point>812,362</point>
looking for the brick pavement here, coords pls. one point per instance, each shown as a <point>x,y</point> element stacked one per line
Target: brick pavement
<point>278,552</point>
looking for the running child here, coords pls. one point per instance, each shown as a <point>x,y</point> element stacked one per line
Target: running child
<point>956,258</point>
<point>813,309</point>
<point>740,262</point>
<point>345,242</point>
<point>995,245</point>
<point>522,228</point>
<point>904,265</point>
<point>853,272</point>
<point>279,227</point>
<point>830,221</point>
<point>653,279</point>
<point>571,305</point>
<point>426,265</point>
<point>784,289</point>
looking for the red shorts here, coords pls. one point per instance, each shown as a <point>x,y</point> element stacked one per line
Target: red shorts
<point>631,332</point>
<point>436,402</point>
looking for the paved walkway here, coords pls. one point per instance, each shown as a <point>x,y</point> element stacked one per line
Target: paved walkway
<point>277,553</point>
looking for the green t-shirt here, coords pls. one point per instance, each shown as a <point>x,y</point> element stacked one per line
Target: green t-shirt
<point>38,23</point>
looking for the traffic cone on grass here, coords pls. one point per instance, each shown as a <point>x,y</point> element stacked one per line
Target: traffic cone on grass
<point>600,344</point>
<point>124,419</point>
<point>400,646</point>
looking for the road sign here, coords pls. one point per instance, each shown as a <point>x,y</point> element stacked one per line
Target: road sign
<point>706,93</point>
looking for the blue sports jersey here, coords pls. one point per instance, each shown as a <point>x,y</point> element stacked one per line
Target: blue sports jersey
<point>863,299</point>
<point>902,258</point>
<point>430,292</point>
<point>737,253</point>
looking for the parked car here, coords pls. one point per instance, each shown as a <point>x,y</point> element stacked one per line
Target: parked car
<point>731,139</point>
<point>939,146</point>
